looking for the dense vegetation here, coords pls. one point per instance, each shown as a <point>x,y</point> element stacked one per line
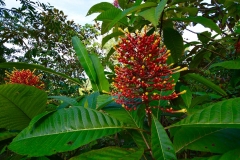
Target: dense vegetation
<point>150,95</point>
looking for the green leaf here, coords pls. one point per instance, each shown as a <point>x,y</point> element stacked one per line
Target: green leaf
<point>113,153</point>
<point>103,100</point>
<point>187,97</point>
<point>234,64</point>
<point>128,11</point>
<point>204,37</point>
<point>206,82</point>
<point>159,9</point>
<point>221,114</point>
<point>90,100</point>
<point>6,134</point>
<point>100,7</point>
<point>130,118</point>
<point>19,104</point>
<point>161,145</point>
<point>85,61</point>
<point>201,20</point>
<point>20,65</point>
<point>207,139</point>
<point>64,130</point>
<point>101,80</point>
<point>68,100</point>
<point>174,42</point>
<point>153,14</point>
<point>110,14</point>
<point>110,36</point>
<point>199,99</point>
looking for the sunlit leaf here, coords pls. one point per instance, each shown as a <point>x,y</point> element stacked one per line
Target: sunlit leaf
<point>64,130</point>
<point>207,139</point>
<point>100,7</point>
<point>19,104</point>
<point>161,145</point>
<point>221,114</point>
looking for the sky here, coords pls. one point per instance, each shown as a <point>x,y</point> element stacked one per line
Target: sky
<point>77,10</point>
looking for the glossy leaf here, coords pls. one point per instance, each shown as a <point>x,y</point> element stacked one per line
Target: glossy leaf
<point>221,114</point>
<point>130,118</point>
<point>201,20</point>
<point>100,7</point>
<point>85,61</point>
<point>101,80</point>
<point>199,99</point>
<point>159,9</point>
<point>111,153</point>
<point>19,104</point>
<point>20,65</point>
<point>128,11</point>
<point>64,130</point>
<point>103,100</point>
<point>207,139</point>
<point>206,82</point>
<point>187,97</point>
<point>110,36</point>
<point>234,64</point>
<point>153,14</point>
<point>90,100</point>
<point>110,14</point>
<point>174,42</point>
<point>161,145</point>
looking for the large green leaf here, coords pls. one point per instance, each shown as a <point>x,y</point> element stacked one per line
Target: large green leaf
<point>90,100</point>
<point>114,153</point>
<point>20,65</point>
<point>64,130</point>
<point>221,114</point>
<point>104,100</point>
<point>207,139</point>
<point>174,42</point>
<point>162,148</point>
<point>110,14</point>
<point>100,7</point>
<point>187,97</point>
<point>110,36</point>
<point>85,61</point>
<point>234,64</point>
<point>153,14</point>
<point>128,11</point>
<point>19,104</point>
<point>206,82</point>
<point>201,20</point>
<point>101,80</point>
<point>130,118</point>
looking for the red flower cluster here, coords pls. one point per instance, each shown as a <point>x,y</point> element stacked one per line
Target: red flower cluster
<point>143,71</point>
<point>24,77</point>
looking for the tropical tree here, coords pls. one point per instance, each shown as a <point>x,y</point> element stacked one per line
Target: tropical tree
<point>165,97</point>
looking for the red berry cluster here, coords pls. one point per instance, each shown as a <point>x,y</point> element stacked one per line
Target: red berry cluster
<point>143,71</point>
<point>24,77</point>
